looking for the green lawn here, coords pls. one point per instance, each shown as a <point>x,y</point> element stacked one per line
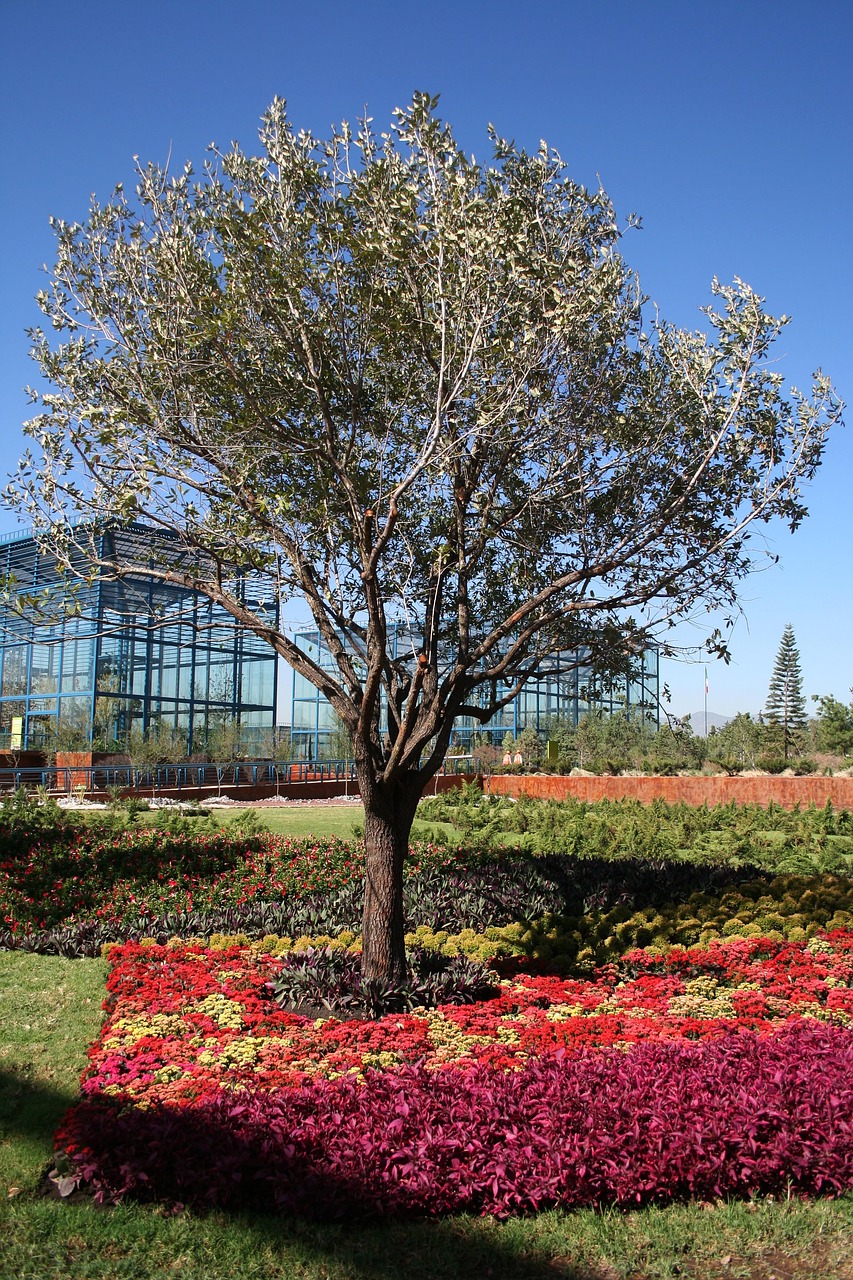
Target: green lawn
<point>49,1010</point>
<point>299,820</point>
<point>313,820</point>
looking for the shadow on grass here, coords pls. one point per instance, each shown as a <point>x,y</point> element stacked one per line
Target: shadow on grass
<point>30,1108</point>
<point>136,1242</point>
<point>286,1197</point>
<point>456,1248</point>
<point>324,1226</point>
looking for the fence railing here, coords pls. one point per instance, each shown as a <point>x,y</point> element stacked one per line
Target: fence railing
<point>274,774</point>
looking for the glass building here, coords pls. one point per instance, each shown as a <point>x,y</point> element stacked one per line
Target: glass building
<point>109,655</point>
<point>103,657</point>
<point>563,687</point>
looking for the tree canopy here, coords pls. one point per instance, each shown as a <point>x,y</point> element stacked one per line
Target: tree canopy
<point>834,725</point>
<point>410,388</point>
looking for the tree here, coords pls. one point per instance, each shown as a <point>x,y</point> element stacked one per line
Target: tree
<point>785,706</point>
<point>160,743</point>
<point>338,744</point>
<point>225,740</point>
<point>834,726</point>
<point>530,746</point>
<point>412,389</point>
<point>736,745</point>
<point>561,729</point>
<point>675,746</point>
<point>605,742</point>
<point>71,730</point>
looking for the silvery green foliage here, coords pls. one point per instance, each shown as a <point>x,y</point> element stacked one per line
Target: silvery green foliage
<point>410,387</point>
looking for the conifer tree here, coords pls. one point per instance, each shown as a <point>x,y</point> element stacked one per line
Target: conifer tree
<point>786,706</point>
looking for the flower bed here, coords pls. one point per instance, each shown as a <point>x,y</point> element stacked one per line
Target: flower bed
<point>74,874</point>
<point>557,1091</point>
<point>69,891</point>
<point>739,1116</point>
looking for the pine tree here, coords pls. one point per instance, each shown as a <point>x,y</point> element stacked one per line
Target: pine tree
<point>786,706</point>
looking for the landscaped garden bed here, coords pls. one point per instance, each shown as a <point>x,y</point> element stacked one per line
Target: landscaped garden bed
<point>657,1020</point>
<point>708,1072</point>
<point>578,884</point>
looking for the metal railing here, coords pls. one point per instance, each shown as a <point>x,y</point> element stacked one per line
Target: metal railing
<point>273,774</point>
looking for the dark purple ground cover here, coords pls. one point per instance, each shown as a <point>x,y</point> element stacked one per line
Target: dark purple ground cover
<point>740,1116</point>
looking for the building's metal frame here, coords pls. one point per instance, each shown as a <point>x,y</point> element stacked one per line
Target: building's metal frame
<point>118,652</point>
<point>563,688</point>
<point>122,652</point>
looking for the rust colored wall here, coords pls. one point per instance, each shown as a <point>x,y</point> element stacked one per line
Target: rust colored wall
<point>762,790</point>
<point>294,791</point>
<point>22,759</point>
<point>75,764</point>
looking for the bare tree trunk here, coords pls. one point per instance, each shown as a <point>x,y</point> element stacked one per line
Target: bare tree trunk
<point>388,815</point>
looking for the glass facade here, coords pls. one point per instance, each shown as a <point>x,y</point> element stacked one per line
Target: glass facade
<point>115,655</point>
<point>563,687</point>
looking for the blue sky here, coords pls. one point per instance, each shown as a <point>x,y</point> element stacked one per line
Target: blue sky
<point>727,126</point>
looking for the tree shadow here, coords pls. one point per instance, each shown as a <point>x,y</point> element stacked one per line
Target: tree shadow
<point>29,1108</point>
<point>283,1197</point>
<point>438,1249</point>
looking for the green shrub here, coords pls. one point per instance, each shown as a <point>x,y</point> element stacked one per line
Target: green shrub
<point>770,837</point>
<point>772,764</point>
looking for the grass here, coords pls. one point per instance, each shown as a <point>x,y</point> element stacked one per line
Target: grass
<point>327,820</point>
<point>50,1241</point>
<point>50,1010</point>
<point>306,820</point>
<point>303,820</point>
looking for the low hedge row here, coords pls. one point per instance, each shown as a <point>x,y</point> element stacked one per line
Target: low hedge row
<point>770,837</point>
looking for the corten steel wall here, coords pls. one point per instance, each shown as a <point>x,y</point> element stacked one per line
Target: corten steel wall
<point>77,765</point>
<point>764,790</point>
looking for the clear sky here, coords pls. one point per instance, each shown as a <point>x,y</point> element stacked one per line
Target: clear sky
<point>727,126</point>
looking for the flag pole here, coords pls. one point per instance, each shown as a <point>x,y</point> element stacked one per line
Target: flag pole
<point>706,702</point>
